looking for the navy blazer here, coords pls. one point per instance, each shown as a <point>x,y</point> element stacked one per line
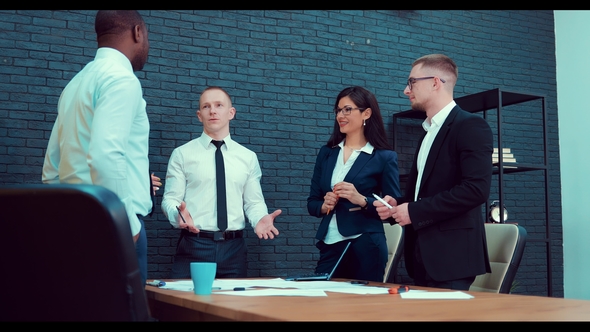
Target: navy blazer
<point>371,173</point>
<point>447,218</point>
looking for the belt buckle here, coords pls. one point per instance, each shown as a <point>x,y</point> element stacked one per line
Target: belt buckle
<point>218,236</point>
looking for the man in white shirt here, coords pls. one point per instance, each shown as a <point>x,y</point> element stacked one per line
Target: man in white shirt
<point>101,132</point>
<point>191,189</point>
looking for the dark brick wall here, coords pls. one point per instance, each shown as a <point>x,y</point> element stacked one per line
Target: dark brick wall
<point>284,69</point>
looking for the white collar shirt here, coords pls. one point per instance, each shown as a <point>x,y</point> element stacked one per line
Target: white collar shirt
<point>340,170</point>
<point>101,134</point>
<point>191,178</point>
<point>432,130</point>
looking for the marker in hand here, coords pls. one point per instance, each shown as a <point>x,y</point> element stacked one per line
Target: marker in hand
<point>382,201</point>
<point>180,214</point>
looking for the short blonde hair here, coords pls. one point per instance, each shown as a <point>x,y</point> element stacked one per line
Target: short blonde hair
<point>439,62</point>
<point>220,89</point>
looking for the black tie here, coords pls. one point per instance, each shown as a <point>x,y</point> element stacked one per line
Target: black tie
<point>221,198</point>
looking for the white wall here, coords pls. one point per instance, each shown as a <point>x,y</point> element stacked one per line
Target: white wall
<point>572,40</point>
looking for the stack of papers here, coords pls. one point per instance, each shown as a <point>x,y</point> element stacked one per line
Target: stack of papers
<point>281,287</point>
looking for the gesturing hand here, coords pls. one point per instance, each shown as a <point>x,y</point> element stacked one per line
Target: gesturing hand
<point>184,219</point>
<point>156,183</point>
<point>265,227</point>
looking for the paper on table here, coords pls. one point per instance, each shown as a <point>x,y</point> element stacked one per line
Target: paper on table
<point>181,285</point>
<point>229,284</point>
<point>276,292</point>
<point>436,295</point>
<point>278,285</point>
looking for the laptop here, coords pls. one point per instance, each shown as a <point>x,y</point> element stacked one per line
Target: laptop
<point>319,276</point>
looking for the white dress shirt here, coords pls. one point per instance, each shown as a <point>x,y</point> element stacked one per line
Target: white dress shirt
<point>191,178</point>
<point>340,170</point>
<point>101,134</point>
<point>432,128</point>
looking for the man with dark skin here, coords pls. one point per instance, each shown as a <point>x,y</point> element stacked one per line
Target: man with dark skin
<point>101,132</point>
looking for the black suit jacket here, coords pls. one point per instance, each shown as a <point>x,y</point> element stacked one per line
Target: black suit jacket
<point>371,173</point>
<point>447,219</point>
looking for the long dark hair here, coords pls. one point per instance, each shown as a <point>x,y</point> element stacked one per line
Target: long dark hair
<point>374,129</point>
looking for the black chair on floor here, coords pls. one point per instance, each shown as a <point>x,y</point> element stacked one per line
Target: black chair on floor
<point>68,255</point>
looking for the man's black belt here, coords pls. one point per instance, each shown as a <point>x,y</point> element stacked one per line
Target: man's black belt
<point>216,236</point>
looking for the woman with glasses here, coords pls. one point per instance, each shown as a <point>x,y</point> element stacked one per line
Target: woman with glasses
<point>356,162</point>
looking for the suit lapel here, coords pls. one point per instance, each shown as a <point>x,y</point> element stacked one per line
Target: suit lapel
<point>359,164</point>
<point>329,167</point>
<point>437,143</point>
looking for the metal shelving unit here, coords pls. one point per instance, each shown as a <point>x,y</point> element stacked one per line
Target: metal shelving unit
<point>496,99</point>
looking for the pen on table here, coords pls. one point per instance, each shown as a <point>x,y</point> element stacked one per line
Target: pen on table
<point>382,201</point>
<point>156,283</point>
<point>359,282</point>
<point>180,214</point>
<point>239,288</point>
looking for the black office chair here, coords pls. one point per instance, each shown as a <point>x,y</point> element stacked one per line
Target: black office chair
<point>395,244</point>
<point>67,255</point>
<point>505,244</point>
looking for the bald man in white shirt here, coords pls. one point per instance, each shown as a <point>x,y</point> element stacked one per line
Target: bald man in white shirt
<point>191,189</point>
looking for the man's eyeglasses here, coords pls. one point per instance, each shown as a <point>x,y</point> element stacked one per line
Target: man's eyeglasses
<point>347,110</point>
<point>413,80</point>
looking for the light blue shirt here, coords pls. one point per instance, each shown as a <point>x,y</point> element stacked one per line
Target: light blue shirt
<point>191,178</point>
<point>101,134</point>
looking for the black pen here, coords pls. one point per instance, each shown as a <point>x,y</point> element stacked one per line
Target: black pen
<point>359,282</point>
<point>180,214</point>
<point>156,283</point>
<point>239,288</point>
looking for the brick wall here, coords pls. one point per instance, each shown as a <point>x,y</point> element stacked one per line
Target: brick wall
<point>284,69</point>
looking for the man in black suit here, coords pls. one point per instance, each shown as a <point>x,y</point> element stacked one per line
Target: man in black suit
<point>450,179</point>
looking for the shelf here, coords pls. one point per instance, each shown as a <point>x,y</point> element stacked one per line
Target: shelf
<point>479,102</point>
<point>516,168</point>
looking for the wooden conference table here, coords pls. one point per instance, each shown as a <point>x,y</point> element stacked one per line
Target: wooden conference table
<point>173,305</point>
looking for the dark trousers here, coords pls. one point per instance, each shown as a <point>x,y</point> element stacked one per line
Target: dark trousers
<point>230,256</point>
<point>141,251</point>
<point>365,259</point>
<point>422,278</point>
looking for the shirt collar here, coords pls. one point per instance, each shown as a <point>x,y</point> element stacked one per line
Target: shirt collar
<point>368,148</point>
<point>439,118</point>
<point>115,55</point>
<point>205,140</point>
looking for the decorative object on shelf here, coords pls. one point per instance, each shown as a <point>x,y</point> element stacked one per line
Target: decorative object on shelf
<point>495,212</point>
<point>507,156</point>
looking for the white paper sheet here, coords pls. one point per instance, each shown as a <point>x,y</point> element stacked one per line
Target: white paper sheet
<point>457,295</point>
<point>275,292</point>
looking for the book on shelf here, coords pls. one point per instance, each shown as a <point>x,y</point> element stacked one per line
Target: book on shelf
<point>504,150</point>
<point>507,156</point>
<point>504,160</point>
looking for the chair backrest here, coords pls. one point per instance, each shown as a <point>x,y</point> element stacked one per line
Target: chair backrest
<point>505,244</point>
<point>395,243</point>
<point>68,255</point>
